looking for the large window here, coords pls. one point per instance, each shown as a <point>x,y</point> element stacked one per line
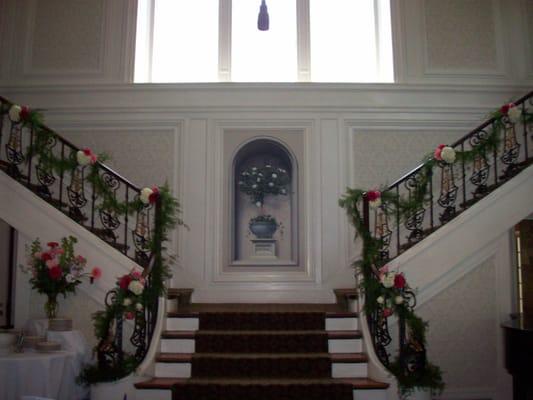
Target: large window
<point>308,40</point>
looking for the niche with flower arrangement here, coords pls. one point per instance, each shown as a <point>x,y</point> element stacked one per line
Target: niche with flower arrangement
<point>264,205</point>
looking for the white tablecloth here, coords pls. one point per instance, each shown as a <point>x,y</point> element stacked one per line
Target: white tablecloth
<point>49,375</point>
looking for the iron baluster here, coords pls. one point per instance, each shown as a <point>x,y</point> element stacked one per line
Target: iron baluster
<point>448,193</point>
<point>431,206</point>
<point>463,176</point>
<point>93,201</point>
<point>414,220</point>
<point>511,150</point>
<point>125,251</point>
<point>44,172</point>
<point>142,235</point>
<point>61,177</point>
<point>32,133</point>
<point>481,167</point>
<point>524,127</point>
<point>109,217</point>
<point>76,194</point>
<point>495,155</point>
<point>398,247</point>
<point>14,150</point>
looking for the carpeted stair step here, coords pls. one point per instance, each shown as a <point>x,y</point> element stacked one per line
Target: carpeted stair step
<point>257,321</point>
<point>261,341</point>
<point>288,365</point>
<point>326,389</point>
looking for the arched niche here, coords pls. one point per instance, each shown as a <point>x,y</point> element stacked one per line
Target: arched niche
<point>269,157</point>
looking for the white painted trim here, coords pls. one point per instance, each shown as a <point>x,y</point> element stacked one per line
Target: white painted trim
<point>147,365</point>
<point>33,217</point>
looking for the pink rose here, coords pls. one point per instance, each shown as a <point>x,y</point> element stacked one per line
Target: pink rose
<point>129,315</point>
<point>438,150</point>
<point>136,275</point>
<point>46,256</point>
<point>53,245</point>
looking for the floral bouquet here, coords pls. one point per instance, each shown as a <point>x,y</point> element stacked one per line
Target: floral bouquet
<point>129,294</point>
<point>392,291</point>
<point>257,182</point>
<point>57,270</point>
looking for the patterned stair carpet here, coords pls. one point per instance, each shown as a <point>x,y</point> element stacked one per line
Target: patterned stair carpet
<point>261,356</point>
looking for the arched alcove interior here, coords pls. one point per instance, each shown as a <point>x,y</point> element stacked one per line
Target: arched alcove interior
<point>264,153</point>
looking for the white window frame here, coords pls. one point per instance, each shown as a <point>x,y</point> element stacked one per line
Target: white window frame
<point>304,73</point>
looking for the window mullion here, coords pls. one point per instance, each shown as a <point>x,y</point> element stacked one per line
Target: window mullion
<point>303,40</point>
<point>224,41</point>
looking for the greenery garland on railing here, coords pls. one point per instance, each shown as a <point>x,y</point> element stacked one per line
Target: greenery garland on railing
<point>373,277</point>
<point>167,217</point>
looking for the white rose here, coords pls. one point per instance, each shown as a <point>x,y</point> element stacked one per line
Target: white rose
<point>139,307</point>
<point>258,204</point>
<point>375,204</point>
<point>145,195</point>
<point>254,168</point>
<point>136,287</point>
<point>380,300</point>
<point>126,302</point>
<point>70,278</point>
<point>514,114</point>
<point>398,299</point>
<point>254,186</point>
<point>274,176</point>
<point>14,113</point>
<point>258,179</point>
<point>448,154</point>
<point>271,184</point>
<point>283,191</point>
<point>82,159</point>
<point>388,280</point>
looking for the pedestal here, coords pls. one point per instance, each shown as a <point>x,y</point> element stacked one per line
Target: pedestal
<point>264,249</point>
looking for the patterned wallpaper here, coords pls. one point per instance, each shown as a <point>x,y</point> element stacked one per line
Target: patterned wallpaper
<point>381,157</point>
<point>462,338</point>
<point>144,157</point>
<point>73,44</point>
<point>460,34</point>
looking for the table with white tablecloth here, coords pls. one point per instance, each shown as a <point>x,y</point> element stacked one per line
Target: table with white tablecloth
<point>50,375</point>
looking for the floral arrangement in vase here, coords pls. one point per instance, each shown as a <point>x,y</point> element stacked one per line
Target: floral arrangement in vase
<point>57,270</point>
<point>257,183</point>
<point>129,293</point>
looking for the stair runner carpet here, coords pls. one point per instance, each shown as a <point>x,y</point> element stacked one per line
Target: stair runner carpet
<point>261,356</point>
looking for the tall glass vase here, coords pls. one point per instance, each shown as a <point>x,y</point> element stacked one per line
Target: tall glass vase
<point>51,306</point>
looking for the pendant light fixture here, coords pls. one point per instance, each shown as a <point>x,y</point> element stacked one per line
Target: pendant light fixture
<point>262,19</point>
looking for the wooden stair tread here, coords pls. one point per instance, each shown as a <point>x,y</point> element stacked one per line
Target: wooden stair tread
<point>354,334</point>
<point>188,357</point>
<point>167,383</point>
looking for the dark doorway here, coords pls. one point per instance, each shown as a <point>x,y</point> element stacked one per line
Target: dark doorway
<point>7,265</point>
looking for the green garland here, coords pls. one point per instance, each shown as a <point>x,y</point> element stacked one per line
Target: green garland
<point>403,207</point>
<point>167,217</point>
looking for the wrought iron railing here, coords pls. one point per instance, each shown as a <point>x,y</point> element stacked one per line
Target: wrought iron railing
<point>71,192</point>
<point>452,189</point>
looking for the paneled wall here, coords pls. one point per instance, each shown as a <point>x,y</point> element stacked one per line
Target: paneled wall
<point>455,61</point>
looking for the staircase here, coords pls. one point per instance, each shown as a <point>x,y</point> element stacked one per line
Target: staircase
<point>261,351</point>
<point>257,351</point>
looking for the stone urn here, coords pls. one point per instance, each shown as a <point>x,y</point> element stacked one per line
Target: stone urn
<point>263,228</point>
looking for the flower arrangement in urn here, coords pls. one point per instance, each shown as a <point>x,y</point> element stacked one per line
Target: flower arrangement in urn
<point>57,270</point>
<point>257,183</point>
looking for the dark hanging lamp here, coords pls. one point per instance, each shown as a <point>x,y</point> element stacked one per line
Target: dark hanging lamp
<point>262,19</point>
